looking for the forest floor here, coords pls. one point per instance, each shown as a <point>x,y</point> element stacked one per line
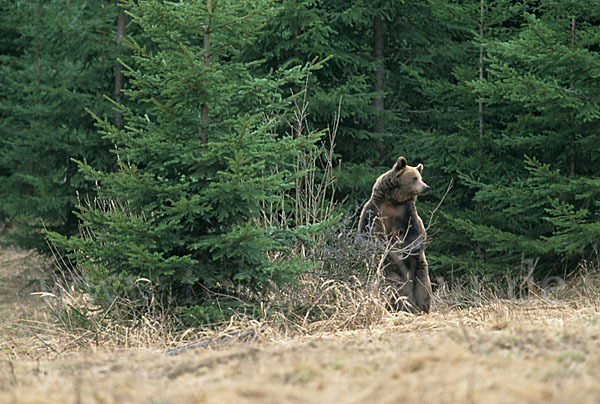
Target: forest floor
<point>531,350</point>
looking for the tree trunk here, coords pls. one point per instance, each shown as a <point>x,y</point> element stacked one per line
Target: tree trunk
<point>36,52</point>
<point>104,30</point>
<point>27,187</point>
<point>297,89</point>
<point>379,53</point>
<point>480,100</point>
<point>572,145</point>
<point>204,106</point>
<point>118,73</point>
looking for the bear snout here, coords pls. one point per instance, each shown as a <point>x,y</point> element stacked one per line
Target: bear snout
<point>426,189</point>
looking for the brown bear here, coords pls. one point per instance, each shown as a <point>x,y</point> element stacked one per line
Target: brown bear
<point>390,216</point>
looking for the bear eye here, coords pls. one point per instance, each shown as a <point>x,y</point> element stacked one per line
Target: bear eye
<point>414,179</point>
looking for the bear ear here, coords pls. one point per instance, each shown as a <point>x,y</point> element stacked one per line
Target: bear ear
<point>401,163</point>
<point>420,168</point>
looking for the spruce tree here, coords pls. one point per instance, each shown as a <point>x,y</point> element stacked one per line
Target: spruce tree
<point>56,59</point>
<point>379,53</point>
<point>182,210</point>
<point>508,123</point>
<point>450,127</point>
<point>307,29</point>
<point>546,210</point>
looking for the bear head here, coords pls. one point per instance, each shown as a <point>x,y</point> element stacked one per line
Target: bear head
<point>406,181</point>
<point>409,178</point>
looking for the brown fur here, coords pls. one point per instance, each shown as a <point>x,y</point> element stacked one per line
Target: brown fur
<point>390,215</point>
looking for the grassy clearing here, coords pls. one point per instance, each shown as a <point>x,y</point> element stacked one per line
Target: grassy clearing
<point>544,348</point>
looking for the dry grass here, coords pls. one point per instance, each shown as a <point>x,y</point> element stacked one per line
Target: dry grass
<point>543,348</point>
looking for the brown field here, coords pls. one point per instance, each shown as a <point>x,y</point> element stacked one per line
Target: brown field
<point>533,350</point>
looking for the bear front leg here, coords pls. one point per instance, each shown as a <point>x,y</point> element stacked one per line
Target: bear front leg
<point>414,235</point>
<point>401,280</point>
<point>422,285</point>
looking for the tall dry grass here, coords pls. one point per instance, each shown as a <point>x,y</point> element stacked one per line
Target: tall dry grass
<point>324,301</point>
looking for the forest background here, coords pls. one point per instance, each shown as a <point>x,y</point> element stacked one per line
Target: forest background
<point>180,142</point>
